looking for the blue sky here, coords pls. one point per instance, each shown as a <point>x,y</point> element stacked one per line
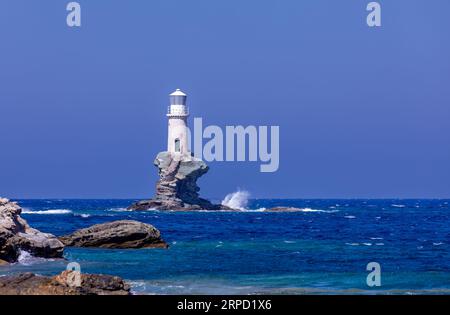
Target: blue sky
<point>363,112</point>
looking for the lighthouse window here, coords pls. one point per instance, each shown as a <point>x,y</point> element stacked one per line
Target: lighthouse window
<point>178,100</point>
<point>177,145</point>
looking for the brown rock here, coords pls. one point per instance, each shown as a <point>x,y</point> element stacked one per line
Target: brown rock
<point>31,284</point>
<point>16,235</point>
<point>117,234</point>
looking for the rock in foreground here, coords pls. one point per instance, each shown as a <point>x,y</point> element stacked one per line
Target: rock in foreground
<point>17,235</point>
<point>117,234</point>
<point>177,187</point>
<point>62,284</point>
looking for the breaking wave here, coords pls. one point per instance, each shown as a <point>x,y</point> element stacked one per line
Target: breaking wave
<point>237,200</point>
<point>27,259</point>
<point>120,209</point>
<point>52,211</point>
<point>317,210</point>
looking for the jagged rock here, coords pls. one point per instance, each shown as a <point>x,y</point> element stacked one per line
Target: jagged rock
<point>177,187</point>
<point>16,235</point>
<point>117,234</point>
<point>62,284</point>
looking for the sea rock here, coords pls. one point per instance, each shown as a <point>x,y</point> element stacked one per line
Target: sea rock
<point>177,187</point>
<point>117,234</point>
<point>17,235</point>
<point>63,284</point>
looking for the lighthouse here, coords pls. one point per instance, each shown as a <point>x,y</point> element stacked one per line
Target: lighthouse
<point>177,114</point>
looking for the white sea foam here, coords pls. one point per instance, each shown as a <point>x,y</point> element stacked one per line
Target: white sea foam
<point>83,215</point>
<point>350,217</point>
<point>317,210</point>
<point>51,211</point>
<point>26,259</point>
<point>119,210</point>
<point>237,200</point>
<point>398,206</point>
<point>293,208</point>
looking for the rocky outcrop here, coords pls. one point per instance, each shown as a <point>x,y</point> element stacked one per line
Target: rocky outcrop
<point>117,234</point>
<point>17,235</point>
<point>177,187</point>
<point>62,284</point>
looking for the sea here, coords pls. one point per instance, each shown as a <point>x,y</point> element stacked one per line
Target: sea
<point>323,249</point>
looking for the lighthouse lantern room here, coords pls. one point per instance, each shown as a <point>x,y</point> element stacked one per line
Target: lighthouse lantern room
<point>177,114</point>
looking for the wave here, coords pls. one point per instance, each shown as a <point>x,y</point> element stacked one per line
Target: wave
<point>51,211</point>
<point>269,211</point>
<point>398,206</point>
<point>299,210</point>
<point>317,210</point>
<point>27,259</point>
<point>237,200</point>
<point>121,209</point>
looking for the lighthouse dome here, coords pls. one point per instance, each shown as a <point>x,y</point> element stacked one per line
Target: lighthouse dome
<point>178,98</point>
<point>178,92</point>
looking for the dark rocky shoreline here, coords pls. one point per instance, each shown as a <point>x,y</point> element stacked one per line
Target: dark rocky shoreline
<point>17,235</point>
<point>63,284</point>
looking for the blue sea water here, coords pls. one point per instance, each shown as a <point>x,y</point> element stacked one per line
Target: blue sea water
<point>322,250</point>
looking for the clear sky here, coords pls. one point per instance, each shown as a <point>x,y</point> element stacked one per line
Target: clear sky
<point>363,112</point>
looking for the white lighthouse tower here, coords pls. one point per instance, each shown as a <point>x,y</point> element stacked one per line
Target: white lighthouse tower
<point>177,140</point>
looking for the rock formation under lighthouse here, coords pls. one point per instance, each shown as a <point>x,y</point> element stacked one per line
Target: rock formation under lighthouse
<point>177,187</point>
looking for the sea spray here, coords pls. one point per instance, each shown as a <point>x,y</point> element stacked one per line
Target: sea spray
<point>237,200</point>
<point>27,259</point>
<point>50,211</point>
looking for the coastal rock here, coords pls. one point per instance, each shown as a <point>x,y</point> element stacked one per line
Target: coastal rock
<point>17,235</point>
<point>117,234</point>
<point>177,187</point>
<point>62,284</point>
